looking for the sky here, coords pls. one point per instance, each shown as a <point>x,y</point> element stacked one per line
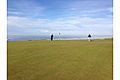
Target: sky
<point>68,17</point>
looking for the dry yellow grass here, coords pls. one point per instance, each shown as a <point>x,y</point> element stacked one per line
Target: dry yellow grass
<point>60,60</point>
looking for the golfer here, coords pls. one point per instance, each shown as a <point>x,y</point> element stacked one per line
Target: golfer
<point>52,37</point>
<point>89,37</point>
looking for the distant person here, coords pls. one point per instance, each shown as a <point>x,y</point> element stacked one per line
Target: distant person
<point>52,37</point>
<point>89,37</point>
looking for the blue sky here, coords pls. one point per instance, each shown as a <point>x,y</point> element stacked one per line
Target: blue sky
<point>69,17</point>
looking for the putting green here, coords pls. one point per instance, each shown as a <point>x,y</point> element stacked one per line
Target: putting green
<point>60,60</point>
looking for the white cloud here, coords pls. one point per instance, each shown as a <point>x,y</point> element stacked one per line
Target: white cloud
<point>25,22</point>
<point>56,23</point>
<point>66,24</point>
<point>44,30</point>
<point>76,16</point>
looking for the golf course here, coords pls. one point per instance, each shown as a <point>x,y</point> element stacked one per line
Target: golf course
<point>60,60</point>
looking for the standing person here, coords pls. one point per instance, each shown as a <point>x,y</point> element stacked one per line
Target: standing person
<point>89,37</point>
<point>51,37</point>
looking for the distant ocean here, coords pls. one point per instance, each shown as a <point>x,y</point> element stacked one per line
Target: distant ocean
<point>34,37</point>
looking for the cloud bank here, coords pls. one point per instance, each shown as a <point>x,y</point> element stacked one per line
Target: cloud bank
<point>78,17</point>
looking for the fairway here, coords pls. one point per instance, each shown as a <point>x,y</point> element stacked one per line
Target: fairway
<point>60,60</point>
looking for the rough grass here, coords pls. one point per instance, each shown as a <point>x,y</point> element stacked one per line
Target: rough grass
<point>60,60</point>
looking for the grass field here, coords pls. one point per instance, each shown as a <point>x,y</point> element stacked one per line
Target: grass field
<point>60,60</point>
